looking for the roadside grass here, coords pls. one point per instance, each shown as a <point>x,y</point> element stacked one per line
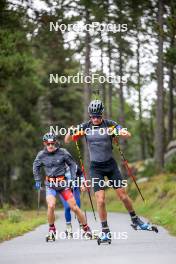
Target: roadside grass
<point>160,194</point>
<point>17,222</point>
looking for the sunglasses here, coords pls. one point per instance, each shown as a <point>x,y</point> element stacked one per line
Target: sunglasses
<point>96,117</point>
<point>50,143</point>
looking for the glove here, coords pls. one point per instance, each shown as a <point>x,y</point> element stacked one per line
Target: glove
<point>37,185</point>
<point>116,130</point>
<point>75,137</point>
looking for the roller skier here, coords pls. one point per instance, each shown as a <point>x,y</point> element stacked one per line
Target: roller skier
<point>54,160</point>
<point>103,164</point>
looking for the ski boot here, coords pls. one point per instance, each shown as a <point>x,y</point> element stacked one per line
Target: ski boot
<point>87,232</point>
<point>105,237</point>
<point>51,235</point>
<point>138,224</point>
<point>68,231</point>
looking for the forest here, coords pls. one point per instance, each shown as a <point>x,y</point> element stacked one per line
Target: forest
<point>127,52</point>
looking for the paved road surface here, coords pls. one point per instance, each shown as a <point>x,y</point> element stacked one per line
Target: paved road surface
<point>140,246</point>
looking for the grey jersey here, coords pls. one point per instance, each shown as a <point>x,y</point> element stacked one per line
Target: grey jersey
<point>99,144</point>
<point>54,163</point>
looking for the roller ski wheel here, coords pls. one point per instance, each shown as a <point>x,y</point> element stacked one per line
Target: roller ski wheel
<point>88,235</point>
<point>104,239</point>
<point>155,229</point>
<point>145,227</point>
<point>51,237</point>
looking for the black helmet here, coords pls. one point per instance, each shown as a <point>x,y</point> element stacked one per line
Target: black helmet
<point>51,137</point>
<point>96,107</point>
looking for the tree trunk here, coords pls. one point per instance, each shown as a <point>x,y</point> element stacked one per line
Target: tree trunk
<point>87,87</point>
<point>109,109</point>
<point>110,84</point>
<point>171,104</point>
<point>171,79</point>
<point>121,95</point>
<point>141,130</point>
<point>159,132</point>
<point>102,85</point>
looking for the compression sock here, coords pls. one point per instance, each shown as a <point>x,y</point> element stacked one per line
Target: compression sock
<point>105,227</point>
<point>132,214</point>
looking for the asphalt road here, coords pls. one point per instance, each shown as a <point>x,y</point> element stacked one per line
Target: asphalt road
<point>128,246</point>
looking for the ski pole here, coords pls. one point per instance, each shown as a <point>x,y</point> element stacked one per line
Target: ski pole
<point>128,169</point>
<point>85,177</point>
<point>38,202</point>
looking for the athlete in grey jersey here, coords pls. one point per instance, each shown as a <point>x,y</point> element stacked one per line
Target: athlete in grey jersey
<point>102,162</point>
<point>98,140</point>
<point>54,160</point>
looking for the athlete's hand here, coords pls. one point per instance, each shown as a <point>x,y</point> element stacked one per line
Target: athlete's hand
<point>37,185</point>
<point>72,130</point>
<point>124,133</point>
<point>70,134</point>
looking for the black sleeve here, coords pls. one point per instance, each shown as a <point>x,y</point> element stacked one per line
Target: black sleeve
<point>110,122</point>
<point>79,171</point>
<point>37,164</point>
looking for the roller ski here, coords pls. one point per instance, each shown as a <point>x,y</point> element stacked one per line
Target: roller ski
<point>51,237</point>
<point>138,224</point>
<point>105,238</point>
<point>69,232</point>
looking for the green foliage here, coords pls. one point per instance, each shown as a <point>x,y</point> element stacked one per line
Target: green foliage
<point>133,194</point>
<point>29,104</point>
<point>14,216</point>
<point>170,166</point>
<point>160,195</point>
<point>20,89</point>
<point>19,223</point>
<point>149,170</point>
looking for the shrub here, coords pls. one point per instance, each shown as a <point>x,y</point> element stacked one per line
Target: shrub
<point>14,216</point>
<point>170,166</point>
<point>149,170</point>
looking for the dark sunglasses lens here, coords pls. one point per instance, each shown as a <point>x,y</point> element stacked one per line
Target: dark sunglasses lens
<point>94,117</point>
<point>52,144</point>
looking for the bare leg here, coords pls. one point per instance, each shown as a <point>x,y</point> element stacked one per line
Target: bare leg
<point>51,202</point>
<point>101,206</point>
<point>121,193</point>
<point>77,210</point>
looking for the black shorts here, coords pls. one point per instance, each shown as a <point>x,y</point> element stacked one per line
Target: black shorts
<point>98,170</point>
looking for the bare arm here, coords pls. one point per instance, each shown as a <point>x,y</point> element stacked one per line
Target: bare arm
<point>68,136</point>
<point>73,134</point>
